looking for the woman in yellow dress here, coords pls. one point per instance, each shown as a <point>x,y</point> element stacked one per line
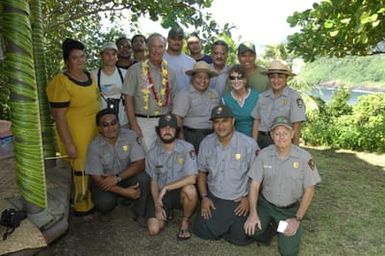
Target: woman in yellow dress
<point>74,99</point>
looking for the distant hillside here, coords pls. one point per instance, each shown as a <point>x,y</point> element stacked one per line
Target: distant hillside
<point>358,72</point>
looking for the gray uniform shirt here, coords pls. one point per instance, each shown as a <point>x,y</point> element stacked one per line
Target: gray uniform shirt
<point>166,167</point>
<point>284,181</point>
<point>227,167</point>
<point>195,107</point>
<point>106,159</point>
<point>134,83</point>
<point>288,104</point>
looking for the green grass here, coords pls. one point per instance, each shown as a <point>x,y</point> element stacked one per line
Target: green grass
<point>347,217</point>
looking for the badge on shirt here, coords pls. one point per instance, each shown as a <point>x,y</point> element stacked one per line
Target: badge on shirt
<point>125,148</point>
<point>311,164</point>
<point>295,165</point>
<point>284,102</point>
<point>180,160</point>
<point>299,103</point>
<point>237,156</point>
<point>213,95</point>
<point>192,154</point>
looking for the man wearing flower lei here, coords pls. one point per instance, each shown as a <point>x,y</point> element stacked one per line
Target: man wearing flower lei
<point>149,88</point>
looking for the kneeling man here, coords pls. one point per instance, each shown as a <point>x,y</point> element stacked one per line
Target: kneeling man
<point>171,164</point>
<point>286,176</point>
<point>224,160</point>
<point>115,162</point>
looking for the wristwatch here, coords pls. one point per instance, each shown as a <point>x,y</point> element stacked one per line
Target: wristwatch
<point>203,196</point>
<point>298,218</point>
<point>118,178</point>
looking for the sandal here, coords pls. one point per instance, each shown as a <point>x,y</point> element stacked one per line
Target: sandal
<point>183,234</point>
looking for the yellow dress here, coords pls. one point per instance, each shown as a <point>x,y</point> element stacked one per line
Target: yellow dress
<point>82,102</point>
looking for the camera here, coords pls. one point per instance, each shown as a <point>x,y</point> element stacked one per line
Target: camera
<point>113,104</point>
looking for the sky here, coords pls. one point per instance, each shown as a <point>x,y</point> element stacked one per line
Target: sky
<point>260,22</point>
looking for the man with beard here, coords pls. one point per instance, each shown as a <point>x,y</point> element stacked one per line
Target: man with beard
<point>171,164</point>
<point>115,162</point>
<point>124,53</point>
<point>224,160</point>
<point>178,61</point>
<point>138,43</point>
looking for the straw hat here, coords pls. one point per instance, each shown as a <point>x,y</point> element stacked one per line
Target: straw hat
<point>201,66</point>
<point>278,67</point>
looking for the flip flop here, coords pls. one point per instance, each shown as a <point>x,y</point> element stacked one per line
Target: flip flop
<point>183,234</point>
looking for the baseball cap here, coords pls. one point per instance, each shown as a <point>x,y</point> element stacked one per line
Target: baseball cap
<point>221,111</point>
<point>168,120</point>
<point>109,45</point>
<point>246,46</point>
<point>281,120</point>
<point>176,32</point>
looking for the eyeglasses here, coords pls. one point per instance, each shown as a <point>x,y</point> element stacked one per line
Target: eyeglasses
<point>239,78</point>
<point>107,124</point>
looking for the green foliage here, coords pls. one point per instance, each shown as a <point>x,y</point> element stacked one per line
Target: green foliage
<point>350,70</point>
<point>338,28</point>
<point>338,125</point>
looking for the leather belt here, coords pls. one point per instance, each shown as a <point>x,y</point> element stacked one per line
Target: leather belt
<point>281,207</point>
<point>197,130</point>
<point>145,116</point>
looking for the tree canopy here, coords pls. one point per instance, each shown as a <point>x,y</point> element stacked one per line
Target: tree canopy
<point>338,28</point>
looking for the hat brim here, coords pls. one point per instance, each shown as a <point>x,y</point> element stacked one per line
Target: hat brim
<point>281,124</point>
<point>278,71</point>
<point>225,116</point>
<point>194,71</point>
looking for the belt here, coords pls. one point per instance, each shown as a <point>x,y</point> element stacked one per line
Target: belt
<point>147,116</point>
<point>281,207</point>
<point>197,130</point>
<point>264,133</point>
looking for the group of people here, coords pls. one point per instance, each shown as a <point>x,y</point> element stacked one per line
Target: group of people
<point>177,131</point>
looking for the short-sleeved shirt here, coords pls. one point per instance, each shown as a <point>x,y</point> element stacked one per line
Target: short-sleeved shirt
<point>136,81</point>
<point>288,104</point>
<point>284,180</point>
<point>180,64</point>
<point>218,82</point>
<point>104,158</point>
<point>195,107</point>
<point>166,167</point>
<point>110,86</point>
<point>242,111</point>
<point>227,166</point>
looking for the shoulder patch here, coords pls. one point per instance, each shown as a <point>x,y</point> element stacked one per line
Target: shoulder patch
<point>257,152</point>
<point>299,103</point>
<point>192,154</point>
<point>139,140</point>
<point>311,164</point>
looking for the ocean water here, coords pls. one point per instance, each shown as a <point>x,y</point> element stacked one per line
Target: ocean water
<point>327,93</point>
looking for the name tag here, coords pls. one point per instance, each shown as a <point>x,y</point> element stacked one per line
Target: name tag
<point>268,166</point>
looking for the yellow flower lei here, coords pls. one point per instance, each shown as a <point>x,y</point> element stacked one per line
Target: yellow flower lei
<point>162,99</point>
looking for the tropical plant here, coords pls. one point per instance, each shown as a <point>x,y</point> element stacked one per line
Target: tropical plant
<point>338,28</point>
<point>19,68</point>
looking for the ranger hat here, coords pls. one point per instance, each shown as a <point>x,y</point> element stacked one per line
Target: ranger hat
<point>168,120</point>
<point>201,66</point>
<point>176,32</point>
<point>109,45</point>
<point>278,67</point>
<point>281,120</point>
<point>221,111</point>
<point>246,46</point>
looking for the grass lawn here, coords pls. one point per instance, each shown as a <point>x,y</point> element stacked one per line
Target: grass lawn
<point>347,217</point>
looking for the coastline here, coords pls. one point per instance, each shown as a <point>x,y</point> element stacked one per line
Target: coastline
<point>333,85</point>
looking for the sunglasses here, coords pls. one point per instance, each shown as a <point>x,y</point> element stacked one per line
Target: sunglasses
<point>107,124</point>
<point>232,78</point>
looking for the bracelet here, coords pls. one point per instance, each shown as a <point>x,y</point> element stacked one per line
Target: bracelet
<point>203,196</point>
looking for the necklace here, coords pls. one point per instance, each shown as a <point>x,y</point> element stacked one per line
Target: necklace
<point>162,97</point>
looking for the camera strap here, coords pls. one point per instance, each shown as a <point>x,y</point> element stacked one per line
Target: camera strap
<point>98,79</point>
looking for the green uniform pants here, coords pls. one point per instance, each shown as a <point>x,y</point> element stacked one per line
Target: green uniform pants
<point>287,245</point>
